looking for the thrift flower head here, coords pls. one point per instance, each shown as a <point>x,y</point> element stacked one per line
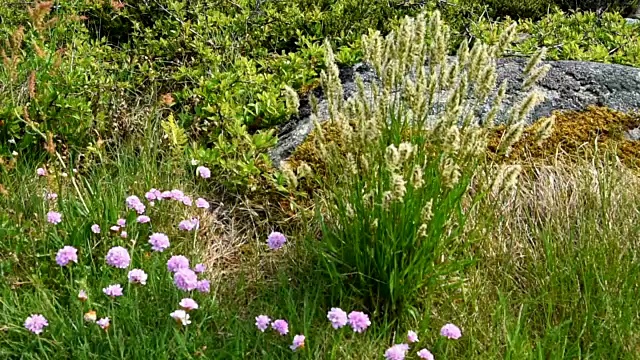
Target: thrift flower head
<point>52,196</point>
<point>82,296</point>
<point>451,331</point>
<point>66,255</point>
<point>203,172</point>
<point>186,225</point>
<point>187,201</point>
<point>118,257</point>
<point>181,316</point>
<point>113,290</point>
<point>177,195</point>
<point>139,208</point>
<point>159,241</point>
<point>54,217</point>
<point>396,352</point>
<point>185,279</point>
<point>143,219</point>
<point>425,354</point>
<point>298,342</point>
<point>132,201</point>
<point>276,240</point>
<point>138,276</point>
<point>165,195</point>
<point>199,268</point>
<point>104,323</point>
<point>337,317</point>
<point>177,262</point>
<point>115,228</point>
<point>359,321</point>
<point>203,286</point>
<point>151,195</point>
<point>95,228</point>
<point>36,323</point>
<point>123,234</point>
<point>121,222</point>
<point>188,304</point>
<point>202,203</point>
<point>412,337</point>
<point>280,326</point>
<point>90,316</point>
<point>262,322</point>
<point>41,172</point>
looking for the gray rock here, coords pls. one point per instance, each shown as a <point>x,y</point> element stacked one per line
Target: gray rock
<point>569,85</point>
<point>633,134</point>
<point>633,21</point>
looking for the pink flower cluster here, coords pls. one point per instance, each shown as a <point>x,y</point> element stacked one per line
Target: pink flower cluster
<point>281,326</point>
<point>358,320</point>
<point>399,351</point>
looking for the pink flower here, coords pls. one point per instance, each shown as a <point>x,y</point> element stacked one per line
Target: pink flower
<point>82,296</point>
<point>177,195</point>
<point>177,262</point>
<point>159,241</point>
<point>137,276</point>
<point>203,286</point>
<point>52,196</point>
<point>165,195</point>
<point>123,234</point>
<point>132,201</point>
<point>203,172</point>
<point>359,321</point>
<point>188,304</point>
<point>143,219</point>
<point>451,331</point>
<point>185,279</point>
<point>121,222</point>
<point>115,228</point>
<point>202,203</point>
<point>54,217</point>
<point>95,228</point>
<point>412,336</point>
<point>298,342</point>
<point>113,290</point>
<point>280,326</point>
<point>139,208</point>
<point>187,201</point>
<point>396,352</point>
<point>199,268</point>
<point>151,195</point>
<point>66,255</point>
<point>337,317</point>
<point>181,316</point>
<point>104,323</point>
<point>186,225</point>
<point>276,240</point>
<point>425,354</point>
<point>41,172</point>
<point>262,322</point>
<point>36,323</point>
<point>118,257</point>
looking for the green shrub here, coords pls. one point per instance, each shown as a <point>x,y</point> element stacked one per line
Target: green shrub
<point>581,36</point>
<point>394,220</point>
<point>56,81</point>
<point>536,9</point>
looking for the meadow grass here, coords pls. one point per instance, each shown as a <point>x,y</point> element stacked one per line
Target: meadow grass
<point>544,268</point>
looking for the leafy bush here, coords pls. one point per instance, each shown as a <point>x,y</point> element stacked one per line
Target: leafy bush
<point>398,177</point>
<point>57,85</point>
<point>535,9</point>
<point>581,36</point>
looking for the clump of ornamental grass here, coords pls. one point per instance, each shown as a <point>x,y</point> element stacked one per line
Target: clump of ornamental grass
<point>408,164</point>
